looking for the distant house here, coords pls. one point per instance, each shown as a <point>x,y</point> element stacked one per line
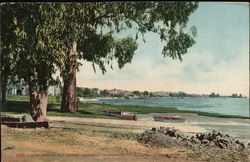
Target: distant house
<point>105,92</point>
<point>22,88</point>
<point>115,92</point>
<point>54,90</point>
<point>96,91</point>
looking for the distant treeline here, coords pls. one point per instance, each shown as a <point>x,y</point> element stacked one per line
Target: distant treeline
<point>234,95</point>
<point>94,92</point>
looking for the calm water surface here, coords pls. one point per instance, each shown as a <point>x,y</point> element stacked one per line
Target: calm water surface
<point>226,106</point>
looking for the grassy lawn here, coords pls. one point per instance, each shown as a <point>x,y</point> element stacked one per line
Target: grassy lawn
<point>20,105</point>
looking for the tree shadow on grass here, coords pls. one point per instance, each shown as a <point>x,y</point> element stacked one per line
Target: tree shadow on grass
<point>84,112</point>
<point>17,106</point>
<point>56,108</point>
<point>23,107</point>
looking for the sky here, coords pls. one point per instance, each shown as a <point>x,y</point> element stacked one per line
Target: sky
<point>218,62</point>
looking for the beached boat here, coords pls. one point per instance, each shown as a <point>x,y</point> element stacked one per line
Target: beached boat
<point>121,114</point>
<point>113,112</point>
<point>169,119</point>
<point>129,117</point>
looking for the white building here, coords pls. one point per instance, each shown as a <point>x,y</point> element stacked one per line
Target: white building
<point>115,92</point>
<point>22,88</point>
<point>96,91</point>
<point>54,90</point>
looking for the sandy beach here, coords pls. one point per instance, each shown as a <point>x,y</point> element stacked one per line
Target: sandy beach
<point>194,123</point>
<point>92,139</point>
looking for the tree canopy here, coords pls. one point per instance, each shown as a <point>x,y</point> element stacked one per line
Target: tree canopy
<point>45,32</point>
<point>94,25</point>
<point>40,36</point>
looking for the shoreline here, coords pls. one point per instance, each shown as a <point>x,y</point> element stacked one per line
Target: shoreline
<point>75,135</point>
<point>181,110</point>
<point>194,123</point>
<point>176,110</point>
<point>20,104</point>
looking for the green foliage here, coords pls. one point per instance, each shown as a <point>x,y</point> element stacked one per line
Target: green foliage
<point>214,95</point>
<point>38,38</point>
<point>84,92</point>
<point>145,93</point>
<point>8,40</point>
<point>43,34</point>
<point>124,50</point>
<point>235,95</point>
<point>179,94</point>
<point>87,92</point>
<point>34,48</point>
<point>137,93</point>
<point>79,92</point>
<point>93,27</point>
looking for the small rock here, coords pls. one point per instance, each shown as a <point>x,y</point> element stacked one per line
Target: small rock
<point>205,141</point>
<point>153,129</point>
<point>27,118</point>
<point>162,128</point>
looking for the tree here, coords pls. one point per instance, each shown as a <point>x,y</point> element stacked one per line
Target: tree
<point>214,95</point>
<point>83,28</point>
<point>8,40</point>
<point>87,92</point>
<point>234,95</point>
<point>79,92</point>
<point>54,36</point>
<point>145,93</point>
<point>34,50</point>
<point>137,93</point>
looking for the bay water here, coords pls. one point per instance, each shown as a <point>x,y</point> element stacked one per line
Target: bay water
<point>225,106</point>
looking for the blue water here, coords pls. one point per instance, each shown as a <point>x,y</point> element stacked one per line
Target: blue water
<point>225,106</point>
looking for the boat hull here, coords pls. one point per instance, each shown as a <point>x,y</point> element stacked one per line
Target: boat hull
<point>168,119</point>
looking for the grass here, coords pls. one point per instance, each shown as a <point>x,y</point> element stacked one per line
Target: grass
<point>20,105</point>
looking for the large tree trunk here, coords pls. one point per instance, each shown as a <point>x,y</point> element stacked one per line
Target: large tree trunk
<point>38,103</point>
<point>69,88</point>
<point>3,92</point>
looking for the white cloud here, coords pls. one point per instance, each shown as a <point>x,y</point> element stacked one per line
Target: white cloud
<point>219,62</point>
<point>143,74</point>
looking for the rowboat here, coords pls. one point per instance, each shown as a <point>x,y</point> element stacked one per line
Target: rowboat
<point>121,114</point>
<point>113,112</point>
<point>169,119</point>
<point>129,117</point>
